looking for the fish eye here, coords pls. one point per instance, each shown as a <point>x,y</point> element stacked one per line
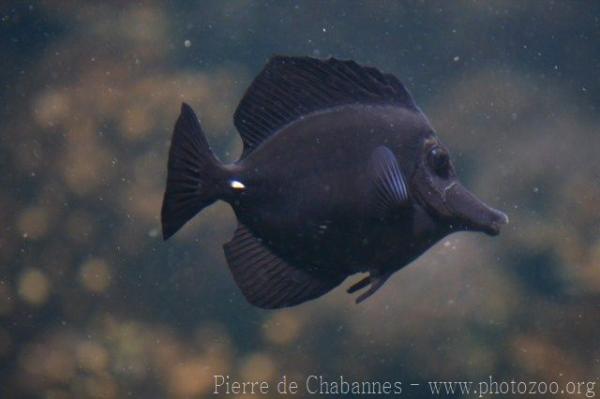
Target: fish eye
<point>439,161</point>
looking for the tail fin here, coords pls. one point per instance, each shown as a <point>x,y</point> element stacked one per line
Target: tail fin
<point>193,176</point>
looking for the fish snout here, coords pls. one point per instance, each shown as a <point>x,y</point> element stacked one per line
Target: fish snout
<point>470,213</point>
<point>498,219</point>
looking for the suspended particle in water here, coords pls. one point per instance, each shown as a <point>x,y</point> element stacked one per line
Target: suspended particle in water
<point>187,43</point>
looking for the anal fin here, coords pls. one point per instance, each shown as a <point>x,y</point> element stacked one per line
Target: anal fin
<point>266,280</point>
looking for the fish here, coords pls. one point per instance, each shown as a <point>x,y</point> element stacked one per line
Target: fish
<point>341,173</point>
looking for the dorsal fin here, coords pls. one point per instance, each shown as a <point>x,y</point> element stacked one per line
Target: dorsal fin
<point>290,87</point>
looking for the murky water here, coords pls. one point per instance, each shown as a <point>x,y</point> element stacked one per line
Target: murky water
<point>94,304</point>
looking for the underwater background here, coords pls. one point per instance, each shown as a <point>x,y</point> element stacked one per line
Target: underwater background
<point>93,304</point>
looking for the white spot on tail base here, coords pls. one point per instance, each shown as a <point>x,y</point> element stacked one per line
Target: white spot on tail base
<point>237,185</point>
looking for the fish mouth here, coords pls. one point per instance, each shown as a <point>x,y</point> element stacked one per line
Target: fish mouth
<point>470,213</point>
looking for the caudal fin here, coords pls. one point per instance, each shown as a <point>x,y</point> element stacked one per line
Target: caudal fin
<point>193,176</point>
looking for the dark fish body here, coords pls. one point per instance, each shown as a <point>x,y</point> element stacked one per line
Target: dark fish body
<point>313,175</point>
<point>341,173</point>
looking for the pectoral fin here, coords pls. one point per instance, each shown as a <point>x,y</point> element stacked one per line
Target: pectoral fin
<point>389,190</point>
